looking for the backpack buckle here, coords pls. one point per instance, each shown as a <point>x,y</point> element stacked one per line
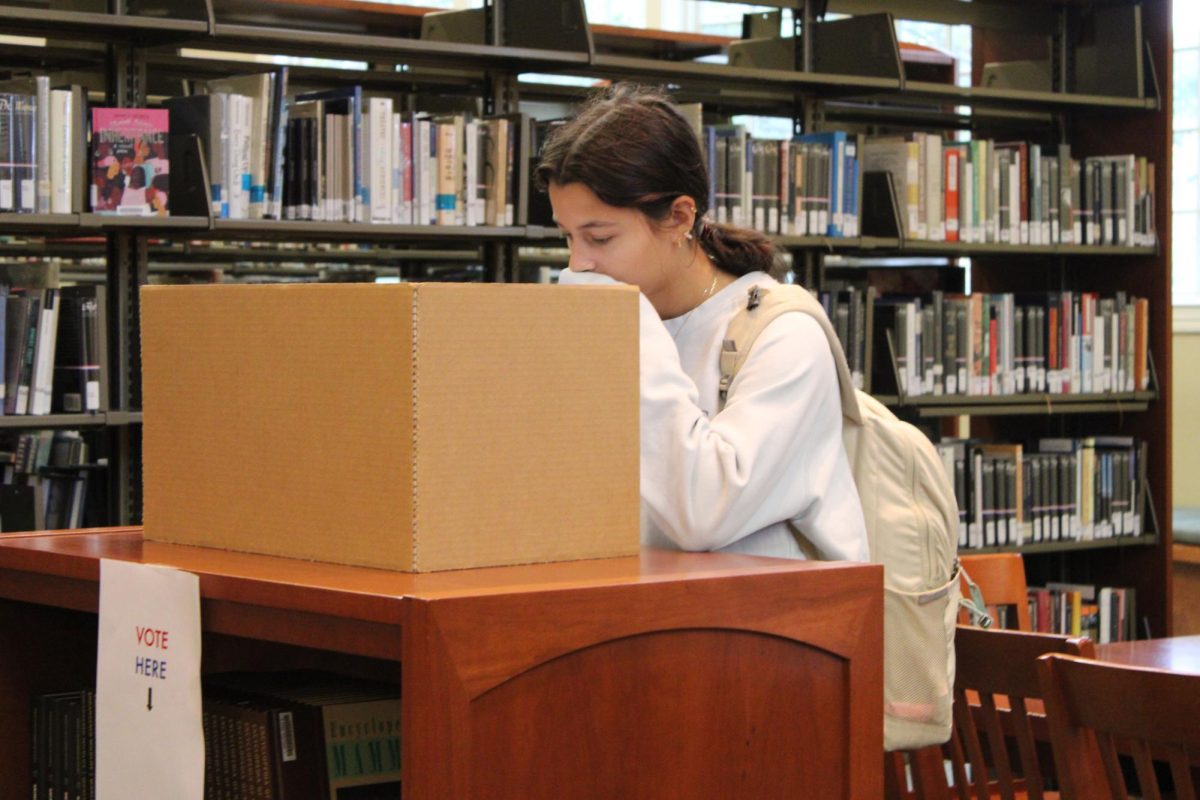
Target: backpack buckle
<point>755,298</point>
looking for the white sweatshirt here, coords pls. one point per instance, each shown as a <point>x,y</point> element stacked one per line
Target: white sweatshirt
<point>729,481</point>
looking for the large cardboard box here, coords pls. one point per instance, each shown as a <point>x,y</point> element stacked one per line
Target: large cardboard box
<point>414,427</point>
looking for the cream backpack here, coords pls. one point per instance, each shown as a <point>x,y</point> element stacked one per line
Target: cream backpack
<point>912,525</point>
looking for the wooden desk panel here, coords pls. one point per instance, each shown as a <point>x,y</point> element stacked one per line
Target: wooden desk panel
<point>669,675</point>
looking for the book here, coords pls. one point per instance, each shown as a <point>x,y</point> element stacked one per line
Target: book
<point>43,365</point>
<point>200,116</point>
<point>342,117</point>
<point>18,157</point>
<point>130,165</point>
<point>266,110</point>
<point>343,733</point>
<point>80,379</point>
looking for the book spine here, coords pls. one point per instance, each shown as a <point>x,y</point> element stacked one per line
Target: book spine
<point>42,144</point>
<point>397,156</point>
<point>42,384</point>
<point>447,194</point>
<point>951,200</point>
<point>61,148</point>
<point>380,154</point>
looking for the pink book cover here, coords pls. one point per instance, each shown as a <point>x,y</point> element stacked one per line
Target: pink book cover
<point>130,168</point>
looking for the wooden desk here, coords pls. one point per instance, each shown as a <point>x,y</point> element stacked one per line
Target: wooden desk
<point>1176,654</point>
<point>672,675</point>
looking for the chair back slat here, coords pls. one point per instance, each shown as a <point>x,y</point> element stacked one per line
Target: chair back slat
<point>999,668</point>
<point>997,745</point>
<point>1098,709</point>
<point>1145,770</point>
<point>1027,747</point>
<point>966,731</point>
<point>958,760</point>
<point>1181,773</point>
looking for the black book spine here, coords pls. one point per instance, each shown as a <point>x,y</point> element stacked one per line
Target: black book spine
<point>7,141</point>
<point>291,156</point>
<point>24,154</point>
<point>310,181</point>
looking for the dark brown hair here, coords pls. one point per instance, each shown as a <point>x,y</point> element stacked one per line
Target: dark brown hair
<point>633,149</point>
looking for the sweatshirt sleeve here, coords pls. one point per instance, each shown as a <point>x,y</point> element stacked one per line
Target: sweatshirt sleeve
<point>774,453</point>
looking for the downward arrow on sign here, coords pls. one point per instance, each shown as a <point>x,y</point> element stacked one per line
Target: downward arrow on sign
<point>150,698</point>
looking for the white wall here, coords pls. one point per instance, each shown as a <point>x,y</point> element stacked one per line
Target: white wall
<point>1185,445</point>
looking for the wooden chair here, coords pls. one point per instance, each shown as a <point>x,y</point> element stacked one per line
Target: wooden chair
<point>1000,669</point>
<point>1093,706</point>
<point>1001,579</point>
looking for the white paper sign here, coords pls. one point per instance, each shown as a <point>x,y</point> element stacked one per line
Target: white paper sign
<point>149,730</point>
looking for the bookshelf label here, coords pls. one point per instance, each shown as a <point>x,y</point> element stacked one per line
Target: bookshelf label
<point>149,730</point>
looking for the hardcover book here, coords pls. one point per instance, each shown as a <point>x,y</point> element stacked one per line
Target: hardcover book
<point>130,165</point>
<point>18,157</point>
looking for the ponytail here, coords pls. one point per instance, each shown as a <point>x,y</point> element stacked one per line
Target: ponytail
<point>735,250</point>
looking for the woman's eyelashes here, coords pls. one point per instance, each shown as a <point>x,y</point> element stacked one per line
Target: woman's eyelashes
<point>590,240</point>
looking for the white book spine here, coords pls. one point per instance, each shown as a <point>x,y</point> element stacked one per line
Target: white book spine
<point>47,336</point>
<point>61,147</point>
<point>256,152</point>
<point>471,173</point>
<point>246,156</point>
<point>380,154</point>
<point>228,115</point>
<point>239,161</point>
<point>366,179</point>
<point>330,200</point>
<point>397,152</point>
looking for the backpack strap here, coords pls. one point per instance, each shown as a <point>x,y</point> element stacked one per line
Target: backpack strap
<point>763,305</point>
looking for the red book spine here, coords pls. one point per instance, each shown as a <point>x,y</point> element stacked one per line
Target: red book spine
<point>951,162</point>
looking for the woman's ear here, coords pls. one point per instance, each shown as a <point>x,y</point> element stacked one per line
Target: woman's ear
<point>681,217</point>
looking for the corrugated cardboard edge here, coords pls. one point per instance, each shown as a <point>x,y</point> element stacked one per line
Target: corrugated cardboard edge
<point>414,301</point>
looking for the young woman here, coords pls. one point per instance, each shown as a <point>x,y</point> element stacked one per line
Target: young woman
<point>629,190</point>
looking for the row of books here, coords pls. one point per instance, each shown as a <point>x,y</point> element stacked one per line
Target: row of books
<point>340,155</point>
<point>63,745</point>
<point>1014,192</point>
<point>241,123</point>
<point>1104,614</point>
<point>849,310</point>
<point>294,735</point>
<point>41,142</point>
<point>980,191</point>
<point>46,479</point>
<point>415,169</point>
<point>807,186</point>
<point>54,347</point>
<point>1005,344</point>
<point>1060,489</point>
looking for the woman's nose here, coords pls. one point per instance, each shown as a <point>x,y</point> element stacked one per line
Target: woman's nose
<point>580,263</point>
